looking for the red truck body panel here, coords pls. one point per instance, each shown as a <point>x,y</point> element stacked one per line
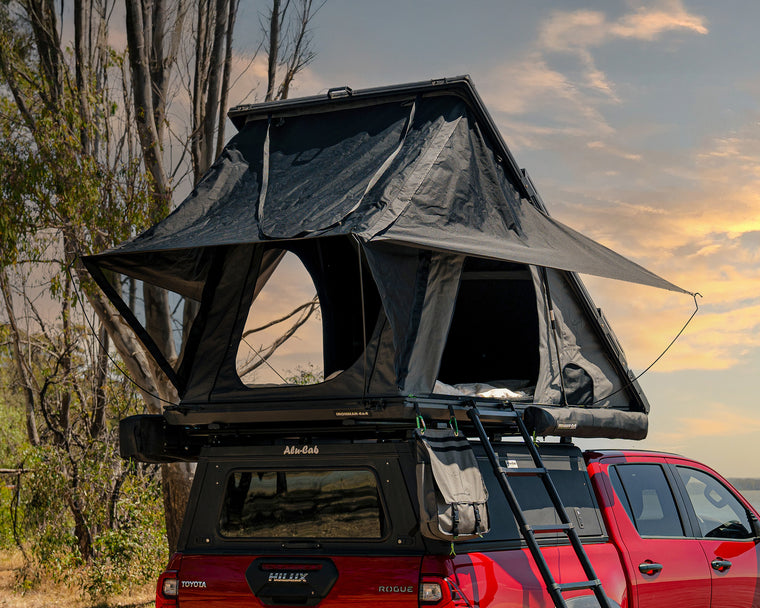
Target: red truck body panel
<point>637,569</point>
<point>687,577</point>
<point>511,579</point>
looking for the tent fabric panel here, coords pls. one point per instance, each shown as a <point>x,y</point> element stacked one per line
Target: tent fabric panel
<point>184,271</point>
<point>221,210</point>
<point>435,121</point>
<point>467,204</point>
<point>462,188</point>
<point>418,291</point>
<point>581,355</point>
<point>429,339</point>
<point>239,278</point>
<point>400,274</point>
<point>320,166</point>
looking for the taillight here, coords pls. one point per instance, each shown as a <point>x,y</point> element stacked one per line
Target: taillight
<point>439,592</point>
<point>430,593</point>
<point>167,589</point>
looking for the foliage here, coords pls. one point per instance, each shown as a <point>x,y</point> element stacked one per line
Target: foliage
<point>81,169</point>
<point>120,504</point>
<point>309,374</point>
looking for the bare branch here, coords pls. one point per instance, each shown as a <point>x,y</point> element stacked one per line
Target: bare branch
<point>301,54</point>
<point>310,304</point>
<point>264,354</point>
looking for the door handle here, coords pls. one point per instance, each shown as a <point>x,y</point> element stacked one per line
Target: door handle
<point>721,565</point>
<point>649,568</point>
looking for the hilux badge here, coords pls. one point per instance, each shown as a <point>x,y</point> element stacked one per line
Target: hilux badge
<point>287,577</point>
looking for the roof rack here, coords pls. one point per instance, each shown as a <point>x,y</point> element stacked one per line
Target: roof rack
<point>183,430</point>
<point>181,433</point>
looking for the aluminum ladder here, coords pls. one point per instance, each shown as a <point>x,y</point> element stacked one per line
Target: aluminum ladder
<point>529,531</point>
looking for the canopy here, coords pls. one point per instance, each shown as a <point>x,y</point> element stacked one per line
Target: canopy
<point>436,265</point>
<point>420,166</point>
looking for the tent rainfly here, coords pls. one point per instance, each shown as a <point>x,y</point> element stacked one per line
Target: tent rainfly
<point>439,273</point>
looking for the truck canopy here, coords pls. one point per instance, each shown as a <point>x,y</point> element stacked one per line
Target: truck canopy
<point>435,263</point>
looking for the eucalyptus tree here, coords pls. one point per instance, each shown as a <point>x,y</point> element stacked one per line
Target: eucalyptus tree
<point>90,158</point>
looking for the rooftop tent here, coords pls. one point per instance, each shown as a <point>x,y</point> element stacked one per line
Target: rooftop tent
<point>438,271</point>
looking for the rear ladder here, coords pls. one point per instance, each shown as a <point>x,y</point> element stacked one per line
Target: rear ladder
<point>528,531</point>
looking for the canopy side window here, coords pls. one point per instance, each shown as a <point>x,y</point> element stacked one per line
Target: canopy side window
<point>304,324</point>
<point>493,338</point>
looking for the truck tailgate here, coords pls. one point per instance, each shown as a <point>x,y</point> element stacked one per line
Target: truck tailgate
<point>336,582</point>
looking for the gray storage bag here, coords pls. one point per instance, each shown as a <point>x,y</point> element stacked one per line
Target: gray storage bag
<point>452,496</point>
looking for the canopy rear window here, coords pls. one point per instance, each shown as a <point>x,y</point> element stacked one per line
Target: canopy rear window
<point>302,504</point>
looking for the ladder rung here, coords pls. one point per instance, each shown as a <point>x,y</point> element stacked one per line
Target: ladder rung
<point>527,531</point>
<point>579,585</point>
<point>523,472</point>
<point>549,528</point>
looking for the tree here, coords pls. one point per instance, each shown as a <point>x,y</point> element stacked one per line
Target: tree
<point>89,157</point>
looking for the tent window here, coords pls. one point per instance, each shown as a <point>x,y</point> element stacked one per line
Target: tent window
<point>493,337</point>
<point>165,315</point>
<point>282,337</point>
<point>313,296</point>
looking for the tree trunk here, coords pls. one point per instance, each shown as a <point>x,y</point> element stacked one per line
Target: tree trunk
<point>98,424</point>
<point>176,478</point>
<point>274,47</point>
<point>25,375</point>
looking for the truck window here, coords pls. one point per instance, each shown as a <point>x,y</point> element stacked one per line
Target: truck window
<point>646,495</point>
<point>309,504</point>
<point>571,480</point>
<point>719,512</point>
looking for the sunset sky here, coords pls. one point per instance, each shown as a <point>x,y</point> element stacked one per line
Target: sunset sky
<point>639,122</point>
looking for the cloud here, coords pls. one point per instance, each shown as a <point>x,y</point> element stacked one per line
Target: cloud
<point>566,31</point>
<point>613,150</point>
<point>647,24</point>
<point>531,87</point>
<point>691,215</point>
<point>574,94</point>
<point>581,30</point>
<point>719,420</point>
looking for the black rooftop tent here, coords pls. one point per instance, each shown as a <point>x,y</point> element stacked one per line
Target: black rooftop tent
<point>439,273</point>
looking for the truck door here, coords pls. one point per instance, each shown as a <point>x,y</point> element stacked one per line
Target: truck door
<point>666,567</point>
<point>726,537</point>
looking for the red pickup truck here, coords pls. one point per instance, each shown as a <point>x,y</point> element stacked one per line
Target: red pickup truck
<point>334,522</point>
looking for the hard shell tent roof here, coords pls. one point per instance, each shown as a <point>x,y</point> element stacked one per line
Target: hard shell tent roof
<point>407,209</point>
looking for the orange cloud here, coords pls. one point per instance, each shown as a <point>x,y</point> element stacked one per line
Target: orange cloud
<point>583,29</point>
<point>571,98</point>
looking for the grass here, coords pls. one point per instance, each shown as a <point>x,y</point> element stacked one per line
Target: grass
<point>59,596</point>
